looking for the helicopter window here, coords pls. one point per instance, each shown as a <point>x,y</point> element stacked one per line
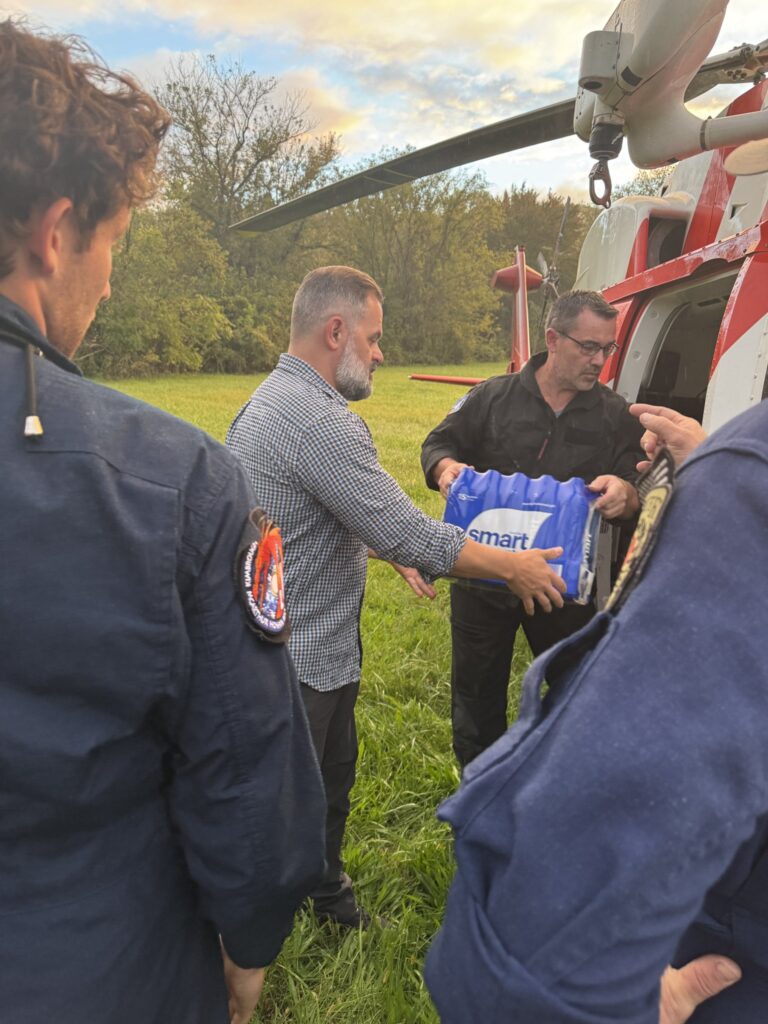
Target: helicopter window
<point>672,349</point>
<point>678,372</point>
<point>665,239</point>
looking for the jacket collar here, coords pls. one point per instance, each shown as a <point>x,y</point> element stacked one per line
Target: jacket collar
<point>18,327</point>
<point>298,367</point>
<point>581,400</point>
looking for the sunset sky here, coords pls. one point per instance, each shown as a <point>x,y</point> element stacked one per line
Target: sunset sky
<point>385,75</point>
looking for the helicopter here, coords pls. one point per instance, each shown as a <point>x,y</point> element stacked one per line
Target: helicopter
<point>686,269</point>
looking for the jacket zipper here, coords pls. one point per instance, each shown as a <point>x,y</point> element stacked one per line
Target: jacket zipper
<point>544,445</point>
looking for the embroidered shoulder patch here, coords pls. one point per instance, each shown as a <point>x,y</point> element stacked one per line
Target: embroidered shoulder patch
<point>259,578</point>
<point>654,487</point>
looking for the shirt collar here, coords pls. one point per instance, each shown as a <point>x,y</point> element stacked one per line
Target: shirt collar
<point>20,325</point>
<point>581,400</point>
<point>299,368</point>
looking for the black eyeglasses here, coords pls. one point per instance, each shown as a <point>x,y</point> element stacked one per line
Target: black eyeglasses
<point>591,348</point>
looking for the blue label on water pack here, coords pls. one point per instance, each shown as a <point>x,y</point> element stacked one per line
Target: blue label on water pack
<point>517,513</point>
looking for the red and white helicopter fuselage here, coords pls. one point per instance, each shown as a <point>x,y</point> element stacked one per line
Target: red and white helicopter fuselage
<point>688,272</point>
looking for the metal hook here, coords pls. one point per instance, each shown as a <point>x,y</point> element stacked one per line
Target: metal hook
<point>600,172</point>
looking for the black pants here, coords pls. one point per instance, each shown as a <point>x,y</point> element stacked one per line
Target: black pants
<point>331,717</point>
<point>483,627</point>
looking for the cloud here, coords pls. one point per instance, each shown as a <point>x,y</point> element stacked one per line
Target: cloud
<point>150,68</point>
<point>710,104</point>
<point>410,74</point>
<point>744,22</point>
<point>328,108</point>
<point>433,69</point>
<point>56,14</point>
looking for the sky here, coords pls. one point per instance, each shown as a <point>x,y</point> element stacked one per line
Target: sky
<point>389,75</point>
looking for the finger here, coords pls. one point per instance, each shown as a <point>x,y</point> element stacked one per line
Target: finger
<point>609,512</point>
<point>528,605</point>
<point>649,441</point>
<point>556,597</point>
<point>642,466</point>
<point>663,427</point>
<point>683,990</point>
<point>598,484</point>
<point>550,553</point>
<point>544,601</point>
<point>640,409</point>
<point>706,976</point>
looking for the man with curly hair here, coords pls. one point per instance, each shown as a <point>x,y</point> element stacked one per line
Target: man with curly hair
<point>161,807</point>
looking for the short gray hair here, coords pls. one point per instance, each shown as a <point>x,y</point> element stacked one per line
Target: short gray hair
<point>570,305</point>
<point>324,291</point>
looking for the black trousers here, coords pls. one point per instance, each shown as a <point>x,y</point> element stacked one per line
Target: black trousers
<point>331,717</point>
<point>483,627</point>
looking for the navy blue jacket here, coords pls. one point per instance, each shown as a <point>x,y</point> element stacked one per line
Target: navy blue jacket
<point>620,824</point>
<point>157,780</point>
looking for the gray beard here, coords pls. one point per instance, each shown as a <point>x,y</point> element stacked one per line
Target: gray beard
<point>353,377</point>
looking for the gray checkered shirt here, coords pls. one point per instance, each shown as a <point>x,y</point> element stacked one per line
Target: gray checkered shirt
<point>315,470</point>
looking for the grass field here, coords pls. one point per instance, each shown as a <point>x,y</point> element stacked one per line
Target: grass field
<point>397,853</point>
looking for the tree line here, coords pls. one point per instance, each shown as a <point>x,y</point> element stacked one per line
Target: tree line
<point>189,294</point>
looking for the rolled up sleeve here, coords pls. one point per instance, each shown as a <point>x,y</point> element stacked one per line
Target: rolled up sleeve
<point>346,477</point>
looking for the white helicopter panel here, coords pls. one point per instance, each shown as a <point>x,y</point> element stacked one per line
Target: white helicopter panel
<point>631,236</point>
<point>607,247</point>
<point>739,378</point>
<point>746,205</point>
<point>747,202</point>
<point>740,364</point>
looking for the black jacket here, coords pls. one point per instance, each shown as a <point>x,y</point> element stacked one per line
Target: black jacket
<point>159,784</point>
<point>505,424</point>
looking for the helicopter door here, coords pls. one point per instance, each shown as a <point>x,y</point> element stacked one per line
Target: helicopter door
<point>670,353</point>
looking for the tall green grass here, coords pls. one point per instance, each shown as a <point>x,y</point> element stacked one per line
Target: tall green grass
<point>397,853</point>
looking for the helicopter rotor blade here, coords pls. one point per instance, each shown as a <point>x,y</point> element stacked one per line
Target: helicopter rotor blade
<point>543,265</point>
<point>543,125</point>
<point>739,65</point>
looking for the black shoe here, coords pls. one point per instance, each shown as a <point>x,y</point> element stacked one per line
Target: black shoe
<point>345,917</point>
<point>339,906</point>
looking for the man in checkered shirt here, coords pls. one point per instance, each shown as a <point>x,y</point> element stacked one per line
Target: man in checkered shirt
<point>316,472</point>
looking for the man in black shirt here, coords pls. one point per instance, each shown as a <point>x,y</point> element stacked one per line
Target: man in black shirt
<point>551,418</point>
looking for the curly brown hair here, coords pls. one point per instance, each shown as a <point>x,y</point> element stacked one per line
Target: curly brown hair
<point>69,127</point>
